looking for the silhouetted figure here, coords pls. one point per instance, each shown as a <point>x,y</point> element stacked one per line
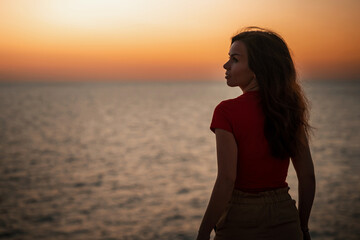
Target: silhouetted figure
<point>257,134</point>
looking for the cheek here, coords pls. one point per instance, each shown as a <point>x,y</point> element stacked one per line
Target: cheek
<point>243,72</point>
<point>250,74</point>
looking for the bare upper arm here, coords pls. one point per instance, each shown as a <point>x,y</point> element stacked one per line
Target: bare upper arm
<point>226,149</point>
<point>303,162</point>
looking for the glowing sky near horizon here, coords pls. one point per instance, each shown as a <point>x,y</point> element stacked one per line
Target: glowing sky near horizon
<point>55,40</point>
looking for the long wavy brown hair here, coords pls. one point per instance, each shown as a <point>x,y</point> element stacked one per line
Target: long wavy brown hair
<point>282,99</point>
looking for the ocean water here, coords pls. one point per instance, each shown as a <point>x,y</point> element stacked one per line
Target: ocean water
<point>137,161</point>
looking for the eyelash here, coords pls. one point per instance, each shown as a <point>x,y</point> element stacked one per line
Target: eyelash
<point>234,59</point>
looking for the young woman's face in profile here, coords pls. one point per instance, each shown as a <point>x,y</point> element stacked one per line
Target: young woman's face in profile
<point>237,68</point>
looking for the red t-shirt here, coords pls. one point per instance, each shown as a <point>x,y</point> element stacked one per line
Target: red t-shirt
<point>257,170</point>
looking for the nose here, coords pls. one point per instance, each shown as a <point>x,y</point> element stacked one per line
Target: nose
<point>226,65</point>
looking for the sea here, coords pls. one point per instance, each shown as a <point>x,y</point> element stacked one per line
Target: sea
<point>137,160</point>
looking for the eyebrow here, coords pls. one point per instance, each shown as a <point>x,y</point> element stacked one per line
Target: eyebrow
<point>234,54</point>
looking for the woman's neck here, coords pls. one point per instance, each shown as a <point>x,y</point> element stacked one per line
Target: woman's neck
<point>252,86</point>
<point>251,89</point>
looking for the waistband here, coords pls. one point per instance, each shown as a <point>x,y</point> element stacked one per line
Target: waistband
<point>272,196</point>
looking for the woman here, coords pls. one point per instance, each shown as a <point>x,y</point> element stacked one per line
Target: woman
<point>257,134</point>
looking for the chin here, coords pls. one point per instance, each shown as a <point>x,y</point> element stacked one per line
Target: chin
<point>230,84</point>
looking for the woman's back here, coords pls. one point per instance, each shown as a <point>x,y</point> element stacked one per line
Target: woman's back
<point>257,169</point>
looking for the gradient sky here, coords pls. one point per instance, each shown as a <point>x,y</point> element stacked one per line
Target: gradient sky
<point>66,40</point>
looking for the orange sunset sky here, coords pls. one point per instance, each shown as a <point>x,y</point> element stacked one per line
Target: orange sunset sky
<point>101,40</point>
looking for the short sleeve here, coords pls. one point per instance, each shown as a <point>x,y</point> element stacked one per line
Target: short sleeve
<point>220,120</point>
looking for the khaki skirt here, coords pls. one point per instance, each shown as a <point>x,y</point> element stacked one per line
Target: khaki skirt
<point>265,215</point>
